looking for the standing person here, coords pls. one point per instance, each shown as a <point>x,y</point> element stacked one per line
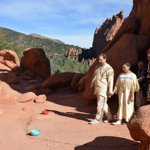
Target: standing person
<point>141,75</point>
<point>125,87</point>
<point>103,88</point>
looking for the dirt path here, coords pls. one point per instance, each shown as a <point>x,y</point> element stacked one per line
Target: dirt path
<point>64,128</point>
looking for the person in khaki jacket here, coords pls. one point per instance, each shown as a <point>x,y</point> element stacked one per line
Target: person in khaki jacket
<point>103,88</point>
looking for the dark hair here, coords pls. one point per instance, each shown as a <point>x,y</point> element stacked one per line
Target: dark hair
<point>127,64</point>
<point>103,55</point>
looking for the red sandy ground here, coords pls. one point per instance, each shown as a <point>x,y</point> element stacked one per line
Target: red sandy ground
<point>64,128</point>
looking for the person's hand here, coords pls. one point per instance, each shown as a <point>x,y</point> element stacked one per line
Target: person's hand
<point>114,93</point>
<point>109,94</point>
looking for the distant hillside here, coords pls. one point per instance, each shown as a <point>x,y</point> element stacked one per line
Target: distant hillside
<point>44,37</point>
<point>55,50</point>
<point>16,40</point>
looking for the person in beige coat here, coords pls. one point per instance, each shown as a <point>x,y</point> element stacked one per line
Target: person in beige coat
<point>103,87</point>
<point>126,85</point>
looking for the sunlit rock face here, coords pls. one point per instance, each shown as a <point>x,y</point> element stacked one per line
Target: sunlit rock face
<point>104,34</point>
<point>9,59</point>
<point>35,59</point>
<point>9,64</point>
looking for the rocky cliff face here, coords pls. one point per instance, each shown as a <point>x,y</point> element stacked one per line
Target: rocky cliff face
<point>104,34</point>
<point>128,45</point>
<point>137,22</point>
<point>141,13</point>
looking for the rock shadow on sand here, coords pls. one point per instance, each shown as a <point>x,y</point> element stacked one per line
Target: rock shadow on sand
<point>109,143</point>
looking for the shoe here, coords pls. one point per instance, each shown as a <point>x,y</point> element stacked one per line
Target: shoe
<point>117,122</point>
<point>94,122</point>
<point>107,121</point>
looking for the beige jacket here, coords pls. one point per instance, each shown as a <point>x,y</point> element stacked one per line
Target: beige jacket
<point>103,80</point>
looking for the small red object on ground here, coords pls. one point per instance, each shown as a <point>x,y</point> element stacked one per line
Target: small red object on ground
<point>44,112</point>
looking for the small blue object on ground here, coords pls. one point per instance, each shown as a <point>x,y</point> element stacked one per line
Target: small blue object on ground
<point>34,132</point>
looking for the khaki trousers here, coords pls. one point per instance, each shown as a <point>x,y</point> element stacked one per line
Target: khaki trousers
<point>102,108</point>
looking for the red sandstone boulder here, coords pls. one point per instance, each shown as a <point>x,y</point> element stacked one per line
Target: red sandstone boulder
<point>86,82</point>
<point>7,94</point>
<point>58,80</point>
<point>82,83</point>
<point>9,64</point>
<point>76,79</point>
<point>34,59</point>
<point>8,76</point>
<point>26,97</point>
<point>9,59</point>
<point>4,68</point>
<point>40,99</point>
<point>139,127</point>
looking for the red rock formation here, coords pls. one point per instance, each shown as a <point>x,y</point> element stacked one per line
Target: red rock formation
<point>40,99</point>
<point>137,22</point>
<point>26,97</point>
<point>106,32</point>
<point>75,80</point>
<point>7,94</point>
<point>82,84</point>
<point>8,76</point>
<point>9,63</point>
<point>9,59</point>
<point>139,127</point>
<point>35,60</point>
<point>58,80</point>
<point>72,53</point>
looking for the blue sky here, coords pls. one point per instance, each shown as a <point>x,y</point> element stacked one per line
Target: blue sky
<point>72,21</point>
